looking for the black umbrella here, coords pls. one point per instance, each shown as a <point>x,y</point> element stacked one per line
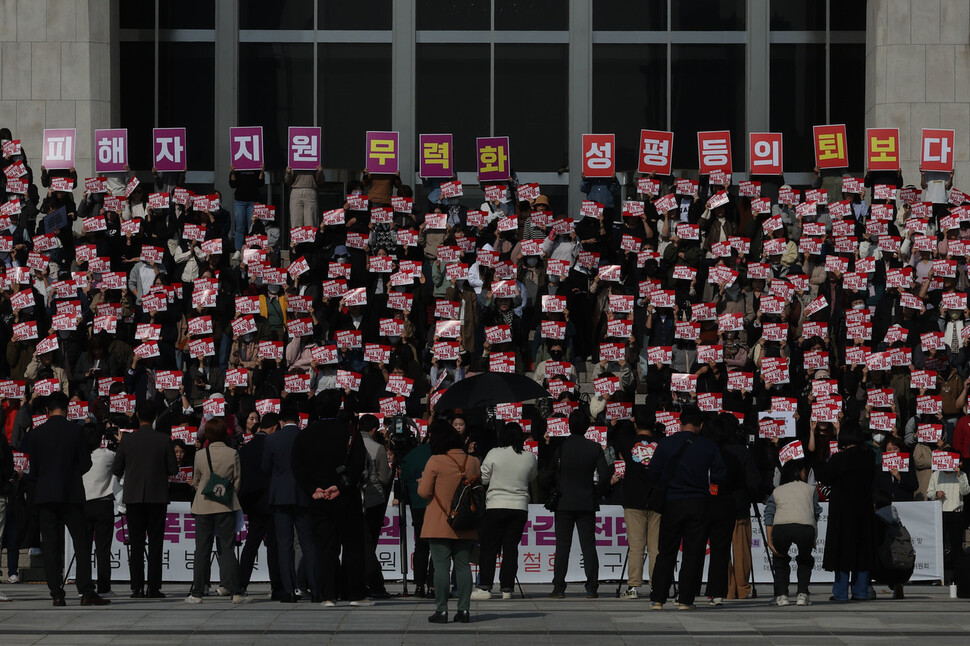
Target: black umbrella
<point>489,389</point>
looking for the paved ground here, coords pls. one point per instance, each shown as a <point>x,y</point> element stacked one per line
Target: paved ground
<point>927,614</point>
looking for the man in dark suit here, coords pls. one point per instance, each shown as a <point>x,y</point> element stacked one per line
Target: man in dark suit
<point>577,460</point>
<point>688,466</point>
<point>289,503</point>
<point>146,459</point>
<point>254,498</point>
<point>59,456</point>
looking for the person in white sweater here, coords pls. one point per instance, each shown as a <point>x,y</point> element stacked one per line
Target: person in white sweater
<point>101,488</point>
<point>507,471</point>
<point>791,518</point>
<point>950,488</point>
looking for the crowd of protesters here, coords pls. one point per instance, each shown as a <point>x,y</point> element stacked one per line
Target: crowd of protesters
<point>746,317</point>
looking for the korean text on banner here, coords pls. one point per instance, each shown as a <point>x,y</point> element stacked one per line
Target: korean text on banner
<point>382,152</point>
<point>59,148</point>
<point>246,147</point>
<point>493,159</point>
<point>436,155</point>
<point>110,150</point>
<point>169,149</point>
<point>303,147</point>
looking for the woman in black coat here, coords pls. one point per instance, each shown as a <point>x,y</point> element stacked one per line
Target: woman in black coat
<point>848,538</point>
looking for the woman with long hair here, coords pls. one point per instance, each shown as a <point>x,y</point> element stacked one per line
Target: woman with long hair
<point>448,464</point>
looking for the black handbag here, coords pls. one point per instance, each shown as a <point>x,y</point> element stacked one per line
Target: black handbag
<point>658,497</point>
<point>467,503</point>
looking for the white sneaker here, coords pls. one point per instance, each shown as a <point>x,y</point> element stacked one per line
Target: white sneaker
<point>781,600</point>
<point>506,594</point>
<point>803,600</point>
<point>717,601</point>
<point>4,597</point>
<point>362,603</point>
<point>193,599</point>
<point>481,594</point>
<point>631,593</point>
<point>241,598</point>
<point>13,578</point>
<point>222,591</point>
<point>328,603</point>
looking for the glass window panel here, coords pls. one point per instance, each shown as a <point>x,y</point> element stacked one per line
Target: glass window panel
<point>531,105</point>
<point>445,72</point>
<point>275,86</point>
<point>622,15</point>
<point>279,14</point>
<point>707,15</point>
<point>797,15</point>
<point>848,15</point>
<point>847,100</point>
<point>136,15</point>
<point>355,96</point>
<point>183,69</point>
<point>532,14</point>
<point>358,14</point>
<point>629,93</point>
<point>707,94</point>
<point>185,14</point>
<point>797,100</point>
<point>138,104</point>
<point>453,14</point>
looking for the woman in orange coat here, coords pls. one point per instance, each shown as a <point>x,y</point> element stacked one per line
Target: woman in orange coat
<point>441,478</point>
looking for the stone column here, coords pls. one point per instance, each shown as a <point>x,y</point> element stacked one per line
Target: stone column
<point>918,76</point>
<point>56,72</point>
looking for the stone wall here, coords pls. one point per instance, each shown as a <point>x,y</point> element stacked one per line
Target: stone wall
<point>56,72</point>
<point>918,75</point>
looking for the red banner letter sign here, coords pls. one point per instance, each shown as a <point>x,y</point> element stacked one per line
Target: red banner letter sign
<point>598,155</point>
<point>714,151</point>
<point>656,151</point>
<point>765,153</point>
<point>830,149</point>
<point>937,150</point>
<point>882,148</point>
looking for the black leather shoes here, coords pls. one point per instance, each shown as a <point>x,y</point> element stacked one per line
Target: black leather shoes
<point>288,598</point>
<point>59,603</point>
<point>155,594</point>
<point>462,617</point>
<point>94,600</point>
<point>137,594</point>
<point>436,618</point>
<point>419,592</point>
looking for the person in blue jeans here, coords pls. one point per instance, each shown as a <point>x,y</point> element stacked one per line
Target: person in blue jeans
<point>246,184</point>
<point>849,534</point>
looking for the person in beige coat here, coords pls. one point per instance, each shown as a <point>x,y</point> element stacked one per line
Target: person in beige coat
<point>441,478</point>
<point>213,519</point>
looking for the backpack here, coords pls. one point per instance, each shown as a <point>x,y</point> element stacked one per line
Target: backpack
<point>468,503</point>
<point>896,552</point>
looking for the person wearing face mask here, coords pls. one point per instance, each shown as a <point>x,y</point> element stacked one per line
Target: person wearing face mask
<point>556,352</point>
